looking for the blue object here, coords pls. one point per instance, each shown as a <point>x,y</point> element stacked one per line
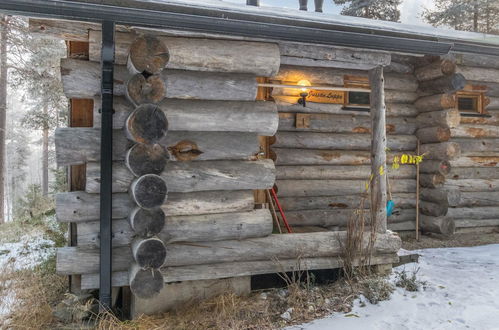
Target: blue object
<point>390,205</point>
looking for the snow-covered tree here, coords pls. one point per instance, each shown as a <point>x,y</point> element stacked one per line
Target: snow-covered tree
<point>386,10</point>
<point>465,15</point>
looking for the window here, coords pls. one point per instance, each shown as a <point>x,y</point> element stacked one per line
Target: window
<point>471,102</point>
<point>358,99</point>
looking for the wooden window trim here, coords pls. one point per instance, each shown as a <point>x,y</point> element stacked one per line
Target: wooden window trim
<point>480,101</point>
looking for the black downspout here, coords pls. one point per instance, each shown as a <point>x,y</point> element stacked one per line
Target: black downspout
<point>106,163</point>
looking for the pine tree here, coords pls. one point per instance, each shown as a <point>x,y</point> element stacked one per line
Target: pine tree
<point>465,15</point>
<point>386,10</point>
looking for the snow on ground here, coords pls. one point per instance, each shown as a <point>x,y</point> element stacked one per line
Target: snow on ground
<point>463,293</point>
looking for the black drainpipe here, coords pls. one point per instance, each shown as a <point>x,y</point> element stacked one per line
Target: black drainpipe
<point>106,165</point>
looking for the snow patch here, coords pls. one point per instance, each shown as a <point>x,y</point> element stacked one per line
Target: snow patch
<point>29,252</point>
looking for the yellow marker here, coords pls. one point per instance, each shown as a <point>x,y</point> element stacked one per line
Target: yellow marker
<point>381,170</point>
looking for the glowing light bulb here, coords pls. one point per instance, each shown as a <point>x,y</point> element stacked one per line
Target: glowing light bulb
<point>305,83</point>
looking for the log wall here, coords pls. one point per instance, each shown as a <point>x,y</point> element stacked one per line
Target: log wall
<point>322,151</point>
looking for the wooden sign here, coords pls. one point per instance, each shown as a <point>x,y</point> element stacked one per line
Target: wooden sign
<point>320,96</point>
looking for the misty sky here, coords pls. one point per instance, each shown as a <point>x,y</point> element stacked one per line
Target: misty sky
<point>410,9</point>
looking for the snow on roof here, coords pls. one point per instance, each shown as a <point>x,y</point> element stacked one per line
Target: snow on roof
<point>344,21</point>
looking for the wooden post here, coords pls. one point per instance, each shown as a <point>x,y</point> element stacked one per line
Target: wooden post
<point>417,196</point>
<point>378,149</point>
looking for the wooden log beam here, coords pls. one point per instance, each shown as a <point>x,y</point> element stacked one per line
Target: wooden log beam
<point>434,180</point>
<point>475,213</point>
<point>402,226</point>
<point>305,188</point>
<point>181,145</point>
<point>482,61</point>
<point>479,74</point>
<point>402,201</point>
<point>475,223</point>
<point>238,268</point>
<point>433,209</point>
<point>77,260</point>
<point>189,228</point>
<point>435,166</point>
<point>339,172</point>
<point>474,173</point>
<point>152,54</point>
<point>475,131</point>
<point>470,185</point>
<point>179,84</point>
<point>436,70</point>
<point>436,102</point>
<point>449,118</point>
<point>312,140</point>
<point>450,197</point>
<point>329,56</point>
<point>433,134</point>
<point>79,206</point>
<point>441,151</point>
<point>344,124</point>
<point>479,199</point>
<point>182,177</point>
<point>492,120</point>
<point>378,184</point>
<point>475,161</point>
<point>438,225</point>
<point>446,84</point>
<point>145,283</point>
<point>339,217</point>
<point>290,104</point>
<point>477,147</point>
<point>61,29</point>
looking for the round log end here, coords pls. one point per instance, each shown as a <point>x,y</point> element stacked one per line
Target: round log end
<point>147,124</point>
<point>144,159</point>
<point>438,225</point>
<point>458,82</point>
<point>444,167</point>
<point>146,283</point>
<point>448,67</point>
<point>148,55</point>
<point>149,253</point>
<point>147,223</point>
<point>149,191</point>
<point>448,101</point>
<point>142,90</point>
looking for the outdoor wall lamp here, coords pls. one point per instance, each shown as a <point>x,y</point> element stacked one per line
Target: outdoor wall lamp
<point>304,92</point>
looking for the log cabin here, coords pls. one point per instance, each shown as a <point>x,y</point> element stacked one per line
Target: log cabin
<point>208,123</point>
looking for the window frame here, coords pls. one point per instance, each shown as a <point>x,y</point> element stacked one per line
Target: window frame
<point>480,101</point>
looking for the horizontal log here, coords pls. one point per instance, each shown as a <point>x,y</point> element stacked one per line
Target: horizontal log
<point>475,161</point>
<point>435,166</point>
<point>290,104</point>
<point>479,74</point>
<point>433,134</point>
<point>195,176</point>
<point>189,228</point>
<point>148,253</point>
<point>402,226</point>
<point>344,124</point>
<point>180,84</point>
<point>181,145</point>
<point>479,199</point>
<point>338,172</point>
<point>450,197</point>
<point>312,140</point>
<point>82,79</point>
<point>436,102</point>
<point>477,147</point>
<point>396,67</point>
<point>433,209</point>
<point>336,77</point>
<point>145,283</point>
<point>491,89</point>
<point>328,56</point>
<point>474,173</point>
<point>493,103</point>
<point>431,180</point>
<point>436,69</point>
<point>77,260</point>
<point>475,131</point>
<point>492,120</point>
<point>444,118</point>
<point>223,116</point>
<point>62,29</point>
<point>475,223</point>
<point>468,185</point>
<point>441,151</point>
<point>152,54</point>
<point>401,200</point>
<point>478,213</point>
<point>235,269</point>
<point>438,225</point>
<point>340,217</point>
<point>79,206</point>
<point>304,188</point>
<point>446,84</point>
<point>483,61</point>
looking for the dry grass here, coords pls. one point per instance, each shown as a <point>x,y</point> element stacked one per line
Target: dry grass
<point>36,293</point>
<point>259,310</point>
